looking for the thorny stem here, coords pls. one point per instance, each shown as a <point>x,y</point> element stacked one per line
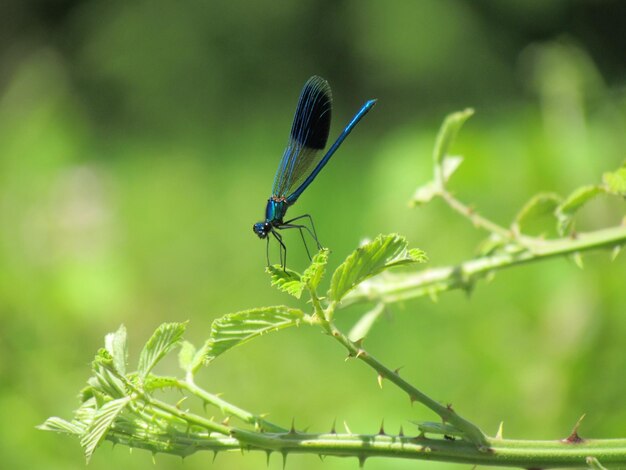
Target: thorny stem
<point>229,408</point>
<point>446,413</point>
<point>395,288</point>
<point>476,219</point>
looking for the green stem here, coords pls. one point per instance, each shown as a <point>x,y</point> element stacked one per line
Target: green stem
<point>446,413</point>
<point>494,452</point>
<point>229,408</point>
<point>476,219</point>
<point>395,288</point>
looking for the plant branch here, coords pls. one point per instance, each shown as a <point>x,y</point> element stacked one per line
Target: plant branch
<point>398,287</point>
<point>446,413</point>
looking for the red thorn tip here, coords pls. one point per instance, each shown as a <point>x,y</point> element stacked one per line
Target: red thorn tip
<point>574,438</point>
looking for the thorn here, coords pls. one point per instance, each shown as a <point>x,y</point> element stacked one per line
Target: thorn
<point>412,399</point>
<point>381,431</point>
<point>322,457</point>
<point>359,342</point>
<point>292,430</point>
<point>268,453</point>
<point>284,459</point>
<point>153,458</point>
<point>214,455</point>
<point>578,260</point>
<point>615,253</point>
<point>362,459</point>
<point>332,428</point>
<point>218,394</point>
<point>380,380</point>
<point>401,433</point>
<point>204,406</point>
<point>397,370</point>
<point>345,425</point>
<point>180,402</point>
<point>360,353</point>
<point>449,407</point>
<point>499,433</point>
<point>226,420</point>
<point>574,438</point>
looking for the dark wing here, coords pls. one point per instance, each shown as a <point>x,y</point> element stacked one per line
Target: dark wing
<point>309,133</point>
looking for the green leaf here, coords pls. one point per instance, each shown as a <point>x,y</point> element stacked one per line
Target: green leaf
<point>448,132</point>
<point>286,280</point>
<point>115,344</point>
<point>449,165</point>
<point>424,194</point>
<point>615,181</point>
<point>186,355</point>
<point>384,252</point>
<point>102,422</point>
<point>566,211</point>
<point>237,328</point>
<point>162,341</point>
<point>315,272</point>
<point>365,323</point>
<point>60,425</point>
<point>538,206</point>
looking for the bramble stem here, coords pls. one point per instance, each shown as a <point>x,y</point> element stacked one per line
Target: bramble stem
<point>397,287</point>
<point>446,413</point>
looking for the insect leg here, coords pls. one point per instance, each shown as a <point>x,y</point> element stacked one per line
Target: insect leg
<point>313,233</point>
<point>300,227</point>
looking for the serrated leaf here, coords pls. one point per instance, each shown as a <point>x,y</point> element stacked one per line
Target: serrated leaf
<point>538,206</point>
<point>235,329</point>
<point>286,280</point>
<point>424,194</point>
<point>162,341</point>
<point>115,344</point>
<point>615,181</point>
<point>447,133</point>
<point>384,252</point>
<point>102,422</point>
<point>449,165</point>
<point>186,355</point>
<point>315,272</point>
<point>365,323</point>
<point>60,425</point>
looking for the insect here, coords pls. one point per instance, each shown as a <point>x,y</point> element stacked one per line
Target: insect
<point>301,162</point>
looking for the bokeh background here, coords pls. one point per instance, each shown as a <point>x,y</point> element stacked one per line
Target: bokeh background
<point>138,144</point>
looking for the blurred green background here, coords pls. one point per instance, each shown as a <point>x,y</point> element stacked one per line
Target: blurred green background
<point>138,144</point>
